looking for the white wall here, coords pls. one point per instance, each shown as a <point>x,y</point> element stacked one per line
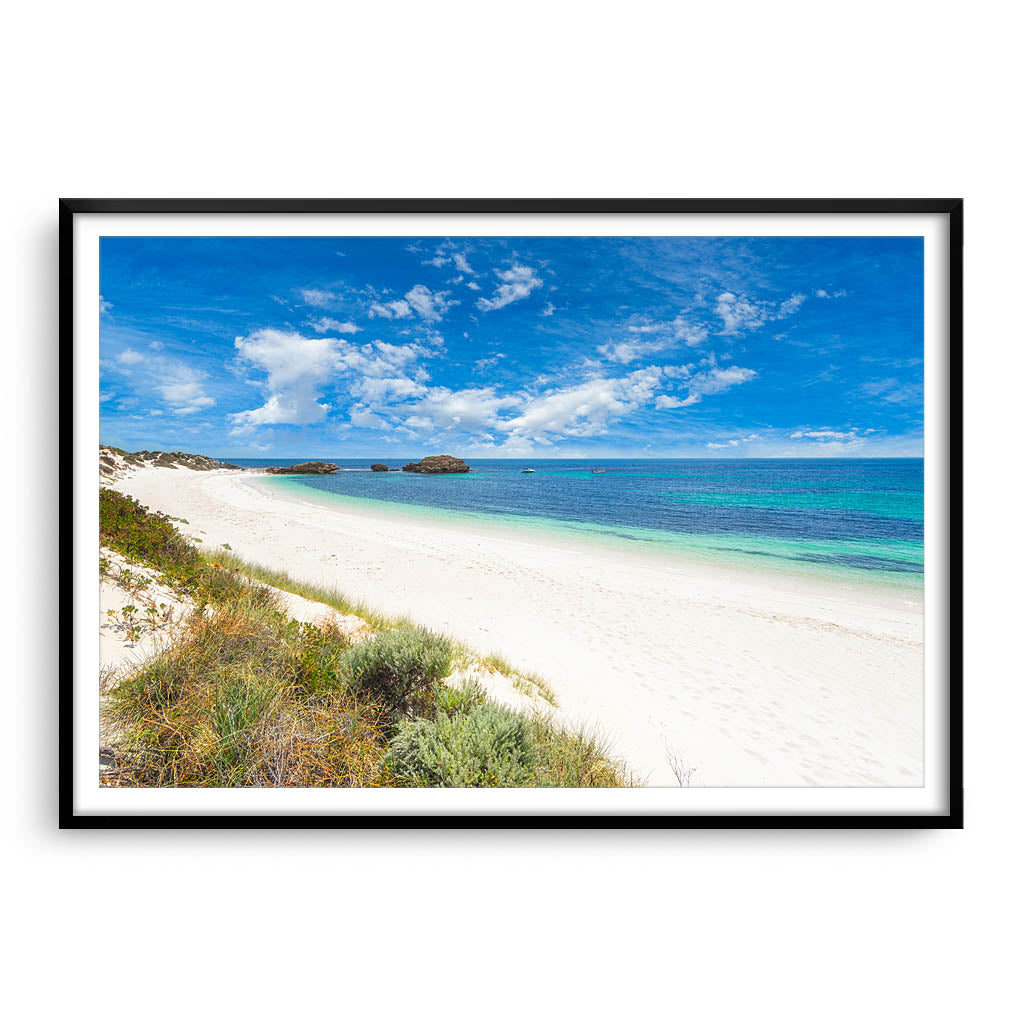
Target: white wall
<point>536,99</point>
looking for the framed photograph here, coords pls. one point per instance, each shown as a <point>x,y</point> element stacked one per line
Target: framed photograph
<point>511,513</point>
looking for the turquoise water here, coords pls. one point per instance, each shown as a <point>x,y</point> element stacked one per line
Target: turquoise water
<point>847,519</point>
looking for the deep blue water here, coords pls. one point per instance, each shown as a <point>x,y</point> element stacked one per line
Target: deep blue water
<point>855,518</point>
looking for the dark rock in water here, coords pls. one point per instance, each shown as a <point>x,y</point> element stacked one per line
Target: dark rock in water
<point>379,467</point>
<point>437,464</point>
<point>304,467</point>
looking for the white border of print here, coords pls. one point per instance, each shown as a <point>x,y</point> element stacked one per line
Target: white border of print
<point>90,798</point>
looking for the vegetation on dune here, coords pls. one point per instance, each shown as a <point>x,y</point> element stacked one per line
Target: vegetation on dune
<point>244,695</point>
<point>329,596</point>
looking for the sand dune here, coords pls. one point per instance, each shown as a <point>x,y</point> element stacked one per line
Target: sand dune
<point>745,678</point>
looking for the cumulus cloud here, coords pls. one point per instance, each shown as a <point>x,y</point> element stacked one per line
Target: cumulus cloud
<point>690,334</point>
<point>585,409</point>
<point>380,389</point>
<point>295,368</point>
<point>129,357</point>
<point>429,306</point>
<point>399,309</point>
<point>822,293</point>
<point>516,283</point>
<point>446,254</point>
<point>469,409</point>
<point>322,324</point>
<point>740,314</point>
<point>708,382</point>
<point>105,307</point>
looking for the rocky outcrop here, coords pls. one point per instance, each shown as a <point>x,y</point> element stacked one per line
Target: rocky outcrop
<point>305,468</point>
<point>379,467</point>
<point>437,464</point>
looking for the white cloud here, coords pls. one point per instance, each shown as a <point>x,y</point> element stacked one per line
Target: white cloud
<point>548,310</point>
<point>790,306</point>
<point>182,388</point>
<point>489,361</point>
<point>374,390</point>
<point>584,409</point>
<point>362,417</point>
<point>445,254</point>
<point>105,307</point>
<point>708,382</point>
<point>734,442</point>
<point>740,314</point>
<point>296,368</point>
<point>669,402</point>
<point>318,297</point>
<point>827,435</point>
<point>429,306</point>
<point>631,351</point>
<point>129,357</point>
<point>323,324</point>
<point>470,409</point>
<point>517,283</point>
<point>821,293</point>
<point>691,334</point>
<point>399,309</point>
<point>473,285</point>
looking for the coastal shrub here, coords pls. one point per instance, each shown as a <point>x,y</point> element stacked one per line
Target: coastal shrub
<point>141,535</point>
<point>228,704</point>
<point>322,657</point>
<point>151,539</point>
<point>573,758</point>
<point>399,668</point>
<point>485,746</point>
<point>489,745</point>
<point>454,700</point>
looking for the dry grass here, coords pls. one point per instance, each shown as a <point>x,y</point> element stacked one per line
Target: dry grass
<point>245,697</point>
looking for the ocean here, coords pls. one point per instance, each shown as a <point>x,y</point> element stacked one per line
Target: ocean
<point>846,519</point>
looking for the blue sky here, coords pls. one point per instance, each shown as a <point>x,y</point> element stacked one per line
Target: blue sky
<point>513,347</point>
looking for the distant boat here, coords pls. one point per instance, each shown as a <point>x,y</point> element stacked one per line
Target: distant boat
<point>529,471</point>
<point>598,471</point>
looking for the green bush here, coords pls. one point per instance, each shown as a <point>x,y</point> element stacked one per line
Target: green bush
<point>141,535</point>
<point>150,538</point>
<point>484,746</point>
<point>399,669</point>
<point>454,700</point>
<point>322,658</point>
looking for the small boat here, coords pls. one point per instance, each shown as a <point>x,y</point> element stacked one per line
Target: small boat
<point>598,471</point>
<point>529,471</point>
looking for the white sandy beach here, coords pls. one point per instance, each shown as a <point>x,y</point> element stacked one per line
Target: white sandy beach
<point>748,678</point>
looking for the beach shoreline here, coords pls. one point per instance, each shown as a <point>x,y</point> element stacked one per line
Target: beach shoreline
<point>749,678</point>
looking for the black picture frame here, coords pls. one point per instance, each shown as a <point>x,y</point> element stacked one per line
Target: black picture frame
<point>952,815</point>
